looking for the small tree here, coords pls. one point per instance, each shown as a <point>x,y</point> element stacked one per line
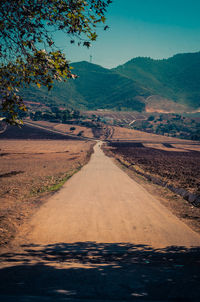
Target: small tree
<point>80,133</point>
<point>37,116</point>
<point>28,54</point>
<point>151,118</point>
<point>66,116</point>
<point>76,114</point>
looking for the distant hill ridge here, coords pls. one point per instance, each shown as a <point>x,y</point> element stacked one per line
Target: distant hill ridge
<point>176,78</point>
<point>129,86</point>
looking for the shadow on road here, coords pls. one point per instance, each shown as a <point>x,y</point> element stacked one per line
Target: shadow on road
<point>90,271</point>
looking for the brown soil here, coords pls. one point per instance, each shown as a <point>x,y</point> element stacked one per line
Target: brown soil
<point>29,171</point>
<point>172,148</point>
<point>121,133</point>
<point>186,147</point>
<point>180,169</point>
<point>159,104</point>
<point>177,205</point>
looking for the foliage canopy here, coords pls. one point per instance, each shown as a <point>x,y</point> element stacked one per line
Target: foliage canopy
<point>28,53</point>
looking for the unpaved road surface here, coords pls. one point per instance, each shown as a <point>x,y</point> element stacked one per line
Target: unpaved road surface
<point>102,204</point>
<point>102,237</point>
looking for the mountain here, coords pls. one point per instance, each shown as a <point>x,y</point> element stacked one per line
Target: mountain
<point>96,87</point>
<point>61,93</point>
<point>103,88</point>
<point>138,84</point>
<point>176,78</point>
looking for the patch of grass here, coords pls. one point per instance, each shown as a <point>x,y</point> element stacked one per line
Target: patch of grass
<point>58,183</point>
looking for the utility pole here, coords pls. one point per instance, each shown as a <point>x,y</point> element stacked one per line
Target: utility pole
<point>90,58</point>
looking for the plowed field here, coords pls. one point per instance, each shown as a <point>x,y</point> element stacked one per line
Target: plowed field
<point>181,169</point>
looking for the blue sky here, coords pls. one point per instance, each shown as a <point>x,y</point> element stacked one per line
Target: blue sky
<point>151,28</point>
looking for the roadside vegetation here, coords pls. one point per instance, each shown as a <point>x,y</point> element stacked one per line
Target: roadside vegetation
<point>174,125</point>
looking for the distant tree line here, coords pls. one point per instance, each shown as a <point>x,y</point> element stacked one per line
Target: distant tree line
<point>175,126</point>
<point>56,115</point>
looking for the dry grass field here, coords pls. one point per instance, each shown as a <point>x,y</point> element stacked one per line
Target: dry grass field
<point>87,132</point>
<point>121,133</point>
<point>98,131</point>
<point>29,171</point>
<point>154,141</point>
<point>66,128</point>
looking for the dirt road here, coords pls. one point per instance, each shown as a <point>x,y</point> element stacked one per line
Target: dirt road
<point>102,204</point>
<point>102,237</point>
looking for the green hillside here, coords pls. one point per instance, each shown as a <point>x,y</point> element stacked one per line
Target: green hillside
<point>61,93</point>
<point>127,86</point>
<point>177,78</point>
<point>103,88</point>
<point>96,87</point>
